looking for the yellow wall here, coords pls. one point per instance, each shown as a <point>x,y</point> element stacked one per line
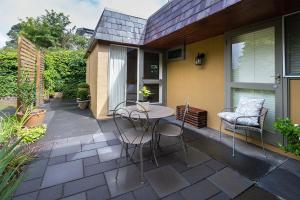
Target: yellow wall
<point>204,87</point>
<point>295,100</point>
<point>97,66</point>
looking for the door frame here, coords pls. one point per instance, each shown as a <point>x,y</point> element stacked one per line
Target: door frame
<point>280,102</point>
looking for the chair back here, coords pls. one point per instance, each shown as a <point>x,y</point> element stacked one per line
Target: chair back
<point>127,117</point>
<point>186,109</point>
<point>262,118</point>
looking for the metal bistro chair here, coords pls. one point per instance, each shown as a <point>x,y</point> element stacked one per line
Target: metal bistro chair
<point>174,130</point>
<point>134,128</point>
<point>235,126</point>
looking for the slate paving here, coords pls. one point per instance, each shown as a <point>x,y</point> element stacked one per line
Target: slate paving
<point>82,166</point>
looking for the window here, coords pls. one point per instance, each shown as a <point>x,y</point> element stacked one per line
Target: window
<point>175,53</point>
<point>151,65</point>
<point>292,45</point>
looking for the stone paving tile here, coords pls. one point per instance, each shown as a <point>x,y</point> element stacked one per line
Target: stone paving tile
<point>230,182</point>
<point>102,137</point>
<point>174,196</point>
<point>200,191</point>
<point>51,193</point>
<point>98,193</point>
<point>84,139</point>
<point>36,169</point>
<point>166,180</point>
<point>256,193</point>
<point>197,173</point>
<point>221,196</point>
<point>80,196</point>
<point>65,148</point>
<point>100,167</point>
<point>128,196</point>
<point>86,147</point>
<point>145,193</point>
<point>83,184</point>
<point>128,180</point>
<point>57,160</point>
<point>215,165</point>
<point>91,160</point>
<point>194,157</point>
<point>61,173</point>
<point>83,154</point>
<point>110,153</point>
<point>113,142</point>
<point>28,186</point>
<point>29,196</point>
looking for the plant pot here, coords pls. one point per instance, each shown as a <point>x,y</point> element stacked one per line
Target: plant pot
<point>58,95</point>
<point>83,104</point>
<point>36,118</point>
<point>143,106</point>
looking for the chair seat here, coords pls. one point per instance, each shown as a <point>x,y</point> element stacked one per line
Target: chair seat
<point>168,130</point>
<point>135,136</point>
<point>231,117</point>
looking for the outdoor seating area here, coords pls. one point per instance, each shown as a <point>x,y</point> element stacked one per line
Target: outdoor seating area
<point>84,165</point>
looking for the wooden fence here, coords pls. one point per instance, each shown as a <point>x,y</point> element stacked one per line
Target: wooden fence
<point>31,59</point>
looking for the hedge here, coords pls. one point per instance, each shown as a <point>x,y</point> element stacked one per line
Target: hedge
<point>8,72</point>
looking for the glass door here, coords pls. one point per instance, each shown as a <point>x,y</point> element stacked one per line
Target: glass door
<point>255,70</point>
<point>152,75</point>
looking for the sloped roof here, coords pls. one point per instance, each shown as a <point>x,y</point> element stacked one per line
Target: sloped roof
<point>121,28</point>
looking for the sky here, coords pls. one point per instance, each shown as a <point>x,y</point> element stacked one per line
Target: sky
<point>82,13</point>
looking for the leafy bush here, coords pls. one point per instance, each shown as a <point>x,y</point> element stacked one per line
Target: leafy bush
<point>83,94</point>
<point>8,72</point>
<point>30,135</point>
<point>291,132</point>
<point>64,69</point>
<point>83,85</point>
<point>26,91</point>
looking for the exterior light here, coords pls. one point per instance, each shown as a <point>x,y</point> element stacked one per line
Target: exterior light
<point>199,60</point>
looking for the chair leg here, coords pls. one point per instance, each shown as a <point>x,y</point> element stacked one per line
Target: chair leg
<point>184,150</point>
<point>158,140</point>
<point>119,162</point>
<point>262,144</point>
<point>133,152</point>
<point>220,130</point>
<point>233,144</point>
<point>142,163</point>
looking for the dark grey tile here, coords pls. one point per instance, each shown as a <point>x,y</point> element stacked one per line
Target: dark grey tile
<point>57,160</point>
<point>98,193</point>
<point>174,196</point>
<point>110,152</point>
<point>97,145</point>
<point>51,193</point>
<point>91,160</point>
<point>194,157</point>
<point>230,182</point>
<point>65,148</point>
<point>128,196</point>
<point>255,193</point>
<point>215,165</point>
<point>100,167</point>
<point>220,196</point>
<point>102,137</point>
<point>36,169</point>
<point>166,180</point>
<point>61,173</point>
<point>83,139</point>
<point>113,142</point>
<point>83,154</point>
<point>197,173</point>
<point>199,191</point>
<point>292,166</point>
<point>29,196</point>
<point>127,180</point>
<point>80,196</point>
<point>28,186</point>
<point>83,184</point>
<point>145,193</point>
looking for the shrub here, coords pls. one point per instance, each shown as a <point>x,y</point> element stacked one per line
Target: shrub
<point>83,85</point>
<point>26,91</point>
<point>31,135</point>
<point>291,132</point>
<point>83,94</point>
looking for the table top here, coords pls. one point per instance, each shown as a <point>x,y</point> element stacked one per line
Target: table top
<point>156,111</point>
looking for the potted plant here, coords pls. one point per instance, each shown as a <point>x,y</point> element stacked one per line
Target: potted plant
<point>292,134</point>
<point>144,104</point>
<point>83,97</point>
<point>26,97</point>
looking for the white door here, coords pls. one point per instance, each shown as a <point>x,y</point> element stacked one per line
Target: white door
<point>117,76</point>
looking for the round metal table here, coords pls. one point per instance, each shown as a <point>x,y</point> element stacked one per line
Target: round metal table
<point>155,112</point>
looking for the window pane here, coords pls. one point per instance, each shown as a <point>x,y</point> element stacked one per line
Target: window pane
<point>154,88</point>
<point>292,44</point>
<point>253,57</point>
<point>151,65</point>
<point>269,97</point>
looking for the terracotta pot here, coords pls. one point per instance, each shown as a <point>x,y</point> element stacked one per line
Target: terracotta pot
<point>83,104</point>
<point>36,117</point>
<point>58,94</point>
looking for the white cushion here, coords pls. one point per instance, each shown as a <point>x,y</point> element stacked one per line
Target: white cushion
<point>231,117</point>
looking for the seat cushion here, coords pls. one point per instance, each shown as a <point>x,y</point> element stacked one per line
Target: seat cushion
<point>168,130</point>
<point>134,136</point>
<point>231,117</point>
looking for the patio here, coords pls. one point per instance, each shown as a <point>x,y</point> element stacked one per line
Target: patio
<point>78,161</point>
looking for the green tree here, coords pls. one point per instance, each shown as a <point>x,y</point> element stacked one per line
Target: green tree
<point>13,35</point>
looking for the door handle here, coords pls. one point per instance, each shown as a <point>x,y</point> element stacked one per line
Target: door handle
<point>277,78</point>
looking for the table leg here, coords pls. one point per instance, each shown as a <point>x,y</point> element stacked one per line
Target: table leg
<point>153,143</point>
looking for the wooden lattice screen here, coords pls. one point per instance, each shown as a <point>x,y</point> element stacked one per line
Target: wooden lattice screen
<point>31,59</point>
